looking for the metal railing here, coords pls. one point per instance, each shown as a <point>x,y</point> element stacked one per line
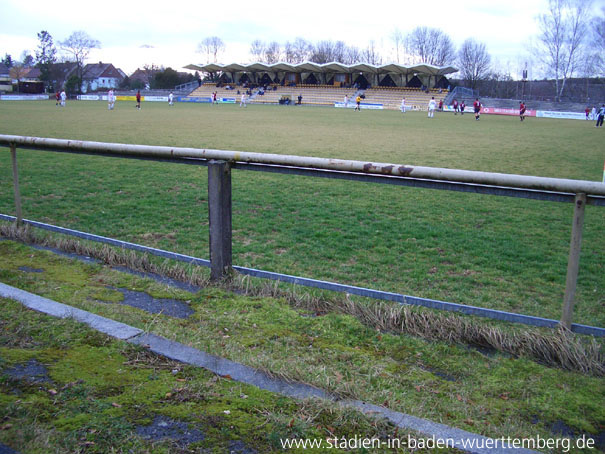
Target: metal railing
<point>221,162</point>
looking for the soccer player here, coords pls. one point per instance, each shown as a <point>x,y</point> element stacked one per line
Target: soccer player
<point>402,105</point>
<point>477,108</point>
<point>358,102</point>
<point>432,104</point>
<point>462,107</point>
<point>600,117</point>
<point>111,99</point>
<point>455,106</point>
<point>138,99</point>
<point>170,99</point>
<point>63,98</point>
<point>242,101</point>
<point>522,110</point>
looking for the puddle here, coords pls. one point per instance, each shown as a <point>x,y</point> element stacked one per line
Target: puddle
<point>29,269</point>
<point>6,450</point>
<point>443,375</point>
<point>165,306</point>
<point>32,372</point>
<point>239,447</point>
<point>163,427</point>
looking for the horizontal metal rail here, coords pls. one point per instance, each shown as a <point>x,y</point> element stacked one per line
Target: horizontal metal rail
<point>220,162</point>
<point>474,188</point>
<point>363,167</point>
<point>326,285</point>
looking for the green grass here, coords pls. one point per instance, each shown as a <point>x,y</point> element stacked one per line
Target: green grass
<point>101,390</point>
<point>495,395</point>
<point>501,253</point>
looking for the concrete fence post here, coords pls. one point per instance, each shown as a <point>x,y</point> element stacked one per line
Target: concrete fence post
<point>219,216</point>
<point>13,148</point>
<point>573,263</point>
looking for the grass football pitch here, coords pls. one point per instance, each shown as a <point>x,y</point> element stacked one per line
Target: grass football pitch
<point>497,252</point>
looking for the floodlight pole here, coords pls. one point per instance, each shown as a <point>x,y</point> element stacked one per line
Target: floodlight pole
<point>573,263</point>
<point>13,148</point>
<point>219,216</point>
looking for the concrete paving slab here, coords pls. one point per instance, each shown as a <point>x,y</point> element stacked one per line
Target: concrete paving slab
<point>59,310</point>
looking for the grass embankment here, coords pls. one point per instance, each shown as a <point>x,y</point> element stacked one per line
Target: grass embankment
<point>501,253</point>
<point>492,394</point>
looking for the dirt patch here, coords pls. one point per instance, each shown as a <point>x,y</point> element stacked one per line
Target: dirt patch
<point>163,427</point>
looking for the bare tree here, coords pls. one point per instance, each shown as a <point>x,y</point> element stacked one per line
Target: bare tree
<point>474,62</point>
<point>302,50</point>
<point>323,52</point>
<point>371,55</point>
<point>431,46</point>
<point>561,39</point>
<point>272,52</point>
<point>352,56</point>
<point>398,39</point>
<point>18,72</point>
<point>79,44</point>
<point>257,49</point>
<point>211,46</point>
<point>597,43</point>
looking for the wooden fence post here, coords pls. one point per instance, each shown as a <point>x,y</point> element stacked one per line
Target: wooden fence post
<point>13,148</point>
<point>573,263</point>
<point>219,216</point>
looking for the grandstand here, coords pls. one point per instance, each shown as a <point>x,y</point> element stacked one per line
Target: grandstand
<point>326,84</point>
<point>327,95</point>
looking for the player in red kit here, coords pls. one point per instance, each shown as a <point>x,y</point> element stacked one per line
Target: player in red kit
<point>522,110</point>
<point>477,108</point>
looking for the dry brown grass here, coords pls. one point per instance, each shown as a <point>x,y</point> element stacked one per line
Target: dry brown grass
<point>557,348</point>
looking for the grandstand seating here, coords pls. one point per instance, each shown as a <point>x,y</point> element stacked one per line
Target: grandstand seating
<point>327,95</point>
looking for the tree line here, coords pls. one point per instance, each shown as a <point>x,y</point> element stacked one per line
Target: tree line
<point>570,43</point>
<point>76,49</point>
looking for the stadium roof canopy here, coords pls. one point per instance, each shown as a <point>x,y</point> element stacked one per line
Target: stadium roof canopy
<point>332,67</point>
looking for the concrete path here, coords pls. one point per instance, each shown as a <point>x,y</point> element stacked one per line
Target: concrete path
<point>463,440</point>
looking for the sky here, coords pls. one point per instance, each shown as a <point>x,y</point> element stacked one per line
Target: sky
<point>137,33</point>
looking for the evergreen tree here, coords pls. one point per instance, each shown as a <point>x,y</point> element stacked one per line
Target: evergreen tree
<point>46,56</point>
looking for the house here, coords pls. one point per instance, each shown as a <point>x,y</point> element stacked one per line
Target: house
<point>6,83</point>
<point>100,75</point>
<point>144,76</point>
<point>60,74</point>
